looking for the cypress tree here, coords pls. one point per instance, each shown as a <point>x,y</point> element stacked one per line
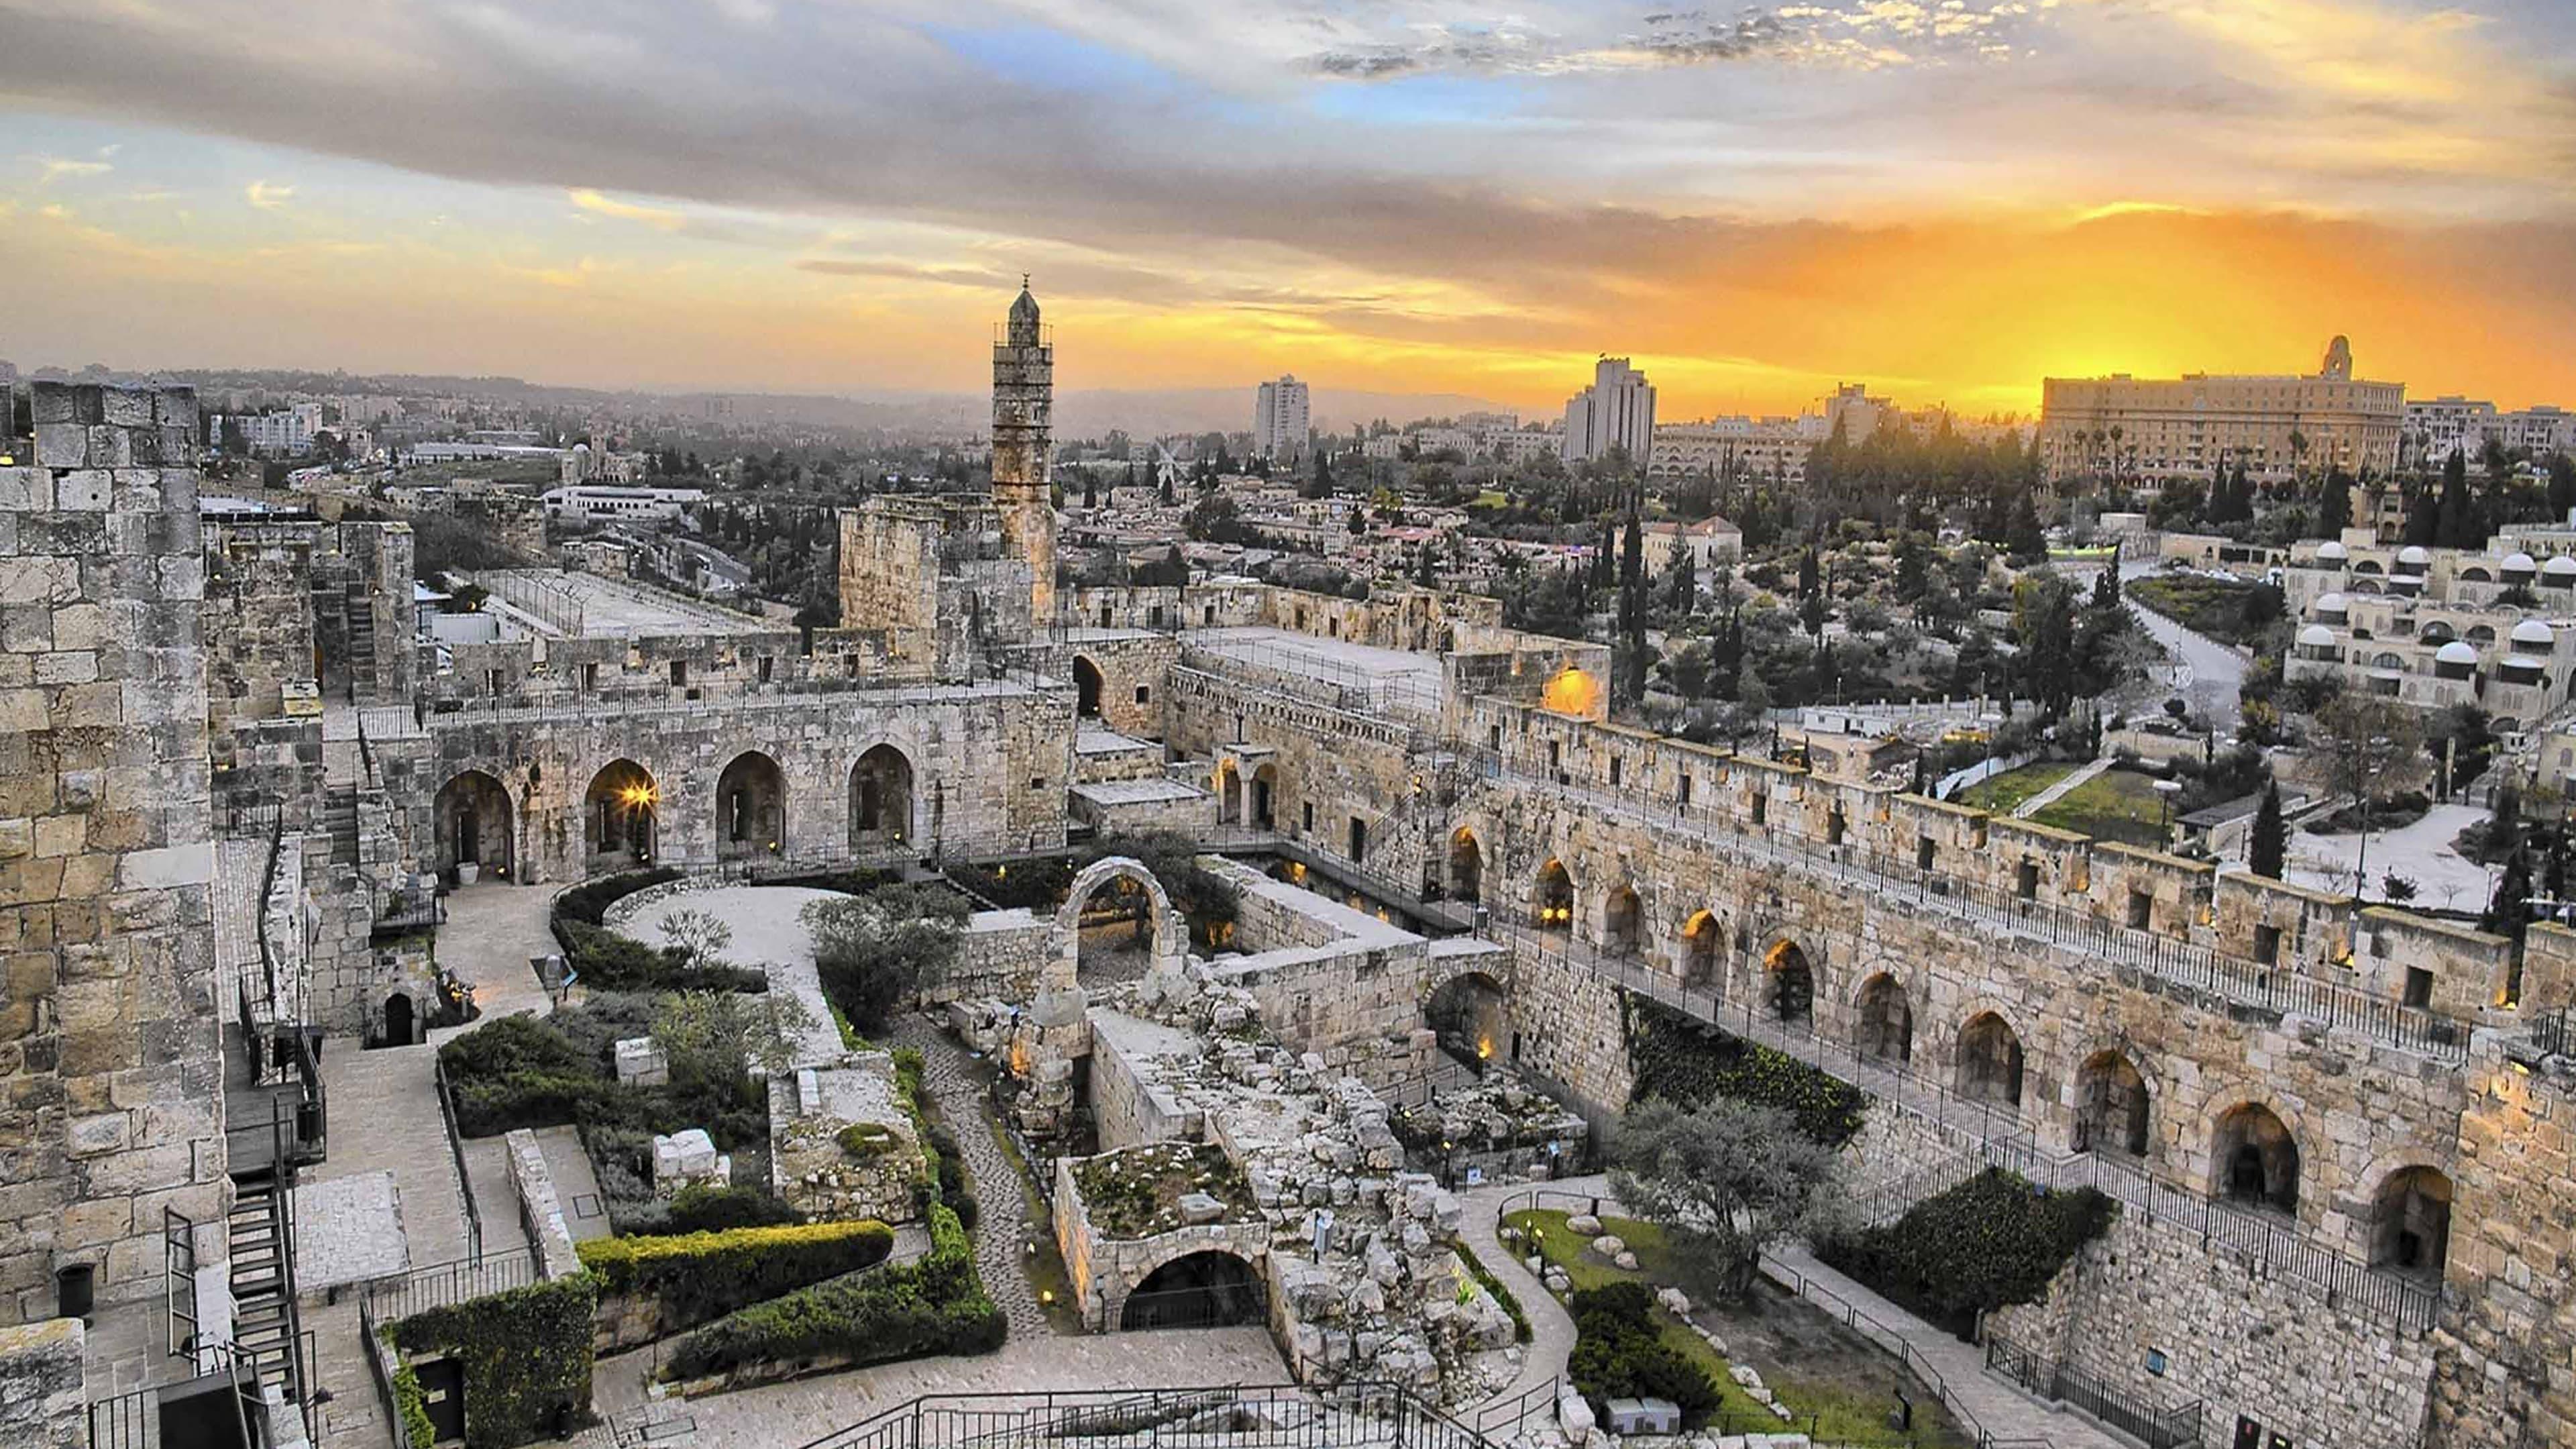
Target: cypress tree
<point>2269,843</point>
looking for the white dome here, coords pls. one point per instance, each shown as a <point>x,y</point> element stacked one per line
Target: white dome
<point>2327,604</point>
<point>2518,563</point>
<point>2332,552</point>
<point>2413,553</point>
<point>2532,631</point>
<point>2456,652</point>
<point>2561,567</point>
<point>2316,635</point>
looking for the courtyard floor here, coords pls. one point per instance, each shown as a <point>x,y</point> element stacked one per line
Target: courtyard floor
<point>492,930</point>
<point>768,932</point>
<point>2420,852</point>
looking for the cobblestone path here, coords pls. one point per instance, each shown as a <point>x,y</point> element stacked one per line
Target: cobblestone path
<point>1003,1231</point>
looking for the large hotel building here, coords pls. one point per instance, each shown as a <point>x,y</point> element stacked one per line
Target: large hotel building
<point>2164,429</point>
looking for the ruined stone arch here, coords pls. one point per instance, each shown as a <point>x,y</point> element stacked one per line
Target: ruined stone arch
<point>475,822</point>
<point>1139,1275</point>
<point>885,797</point>
<point>1623,920</point>
<point>621,817</point>
<point>1469,1010</point>
<point>1170,949</point>
<point>1552,895</point>
<point>751,807</point>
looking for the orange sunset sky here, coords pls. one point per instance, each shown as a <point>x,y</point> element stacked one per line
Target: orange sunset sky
<point>1947,199</point>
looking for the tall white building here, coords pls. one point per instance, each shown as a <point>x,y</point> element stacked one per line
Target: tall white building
<point>1617,410</point>
<point>1279,419</point>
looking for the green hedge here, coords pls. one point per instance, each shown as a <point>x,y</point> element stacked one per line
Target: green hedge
<point>521,1071</point>
<point>410,1404</point>
<point>700,1277</point>
<point>609,961</point>
<point>1992,1240</point>
<point>931,1306</point>
<point>1686,1061</point>
<point>1619,1353</point>
<point>589,901</point>
<point>525,1354</point>
<point>1484,1276</point>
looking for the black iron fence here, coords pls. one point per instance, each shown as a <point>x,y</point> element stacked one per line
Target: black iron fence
<point>1288,1416</point>
<point>456,1151</point>
<point>442,1285</point>
<point>2141,1416</point>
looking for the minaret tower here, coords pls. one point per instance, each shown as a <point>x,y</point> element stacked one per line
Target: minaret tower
<point>1023,404</point>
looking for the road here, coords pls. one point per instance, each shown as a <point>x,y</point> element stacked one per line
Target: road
<point>2213,672</point>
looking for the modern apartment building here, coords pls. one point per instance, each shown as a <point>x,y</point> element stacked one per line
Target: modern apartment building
<point>1616,411</point>
<point>1279,419</point>
<point>2186,428</point>
<point>2438,427</point>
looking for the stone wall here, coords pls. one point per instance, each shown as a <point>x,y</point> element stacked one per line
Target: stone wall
<point>2508,1328</point>
<point>2268,1348</point>
<point>42,1389</point>
<point>1000,954</point>
<point>1132,665</point>
<point>108,1022</point>
<point>1329,979</point>
<point>540,1211</point>
<point>809,1167</point>
<point>1105,1270</point>
<point>1136,1093</point>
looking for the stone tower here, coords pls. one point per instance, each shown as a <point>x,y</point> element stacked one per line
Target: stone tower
<point>1023,400</point>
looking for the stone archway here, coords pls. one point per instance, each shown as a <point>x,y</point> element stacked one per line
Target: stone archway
<point>1988,1064</point>
<point>1703,937</point>
<point>1466,865</point>
<point>621,818</point>
<point>2410,1221</point>
<point>751,808</point>
<point>1154,927</point>
<point>401,1020</point>
<point>1203,1288</point>
<point>1623,926</point>
<point>1265,797</point>
<point>1229,792</point>
<point>1552,897</point>
<point>1471,1015</point>
<point>2114,1110</point>
<point>1087,685</point>
<point>474,825</point>
<point>881,792</point>
<point>1886,1031</point>
<point>1791,980</point>
<point>2254,1159</point>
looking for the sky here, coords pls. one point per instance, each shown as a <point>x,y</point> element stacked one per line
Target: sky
<point>1945,199</point>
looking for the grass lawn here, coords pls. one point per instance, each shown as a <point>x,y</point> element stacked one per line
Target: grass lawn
<point>2005,793</point>
<point>2227,610</point>
<point>1839,1384</point>
<point>2117,805</point>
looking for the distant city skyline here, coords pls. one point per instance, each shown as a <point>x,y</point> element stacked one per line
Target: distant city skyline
<point>1952,202</point>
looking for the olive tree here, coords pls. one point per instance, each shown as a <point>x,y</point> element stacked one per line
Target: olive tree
<point>1725,1180</point>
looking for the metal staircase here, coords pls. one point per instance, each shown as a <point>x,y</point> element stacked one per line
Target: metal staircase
<point>267,1328</point>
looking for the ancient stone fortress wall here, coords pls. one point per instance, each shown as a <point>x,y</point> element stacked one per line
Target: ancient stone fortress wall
<point>1421,621</point>
<point>108,1017</point>
<point>1127,669</point>
<point>1330,980</point>
<point>307,611</point>
<point>1329,765</point>
<point>975,766</point>
<point>2508,1329</point>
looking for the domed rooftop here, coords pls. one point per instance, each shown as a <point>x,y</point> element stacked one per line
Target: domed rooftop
<point>2518,563</point>
<point>2332,552</point>
<point>2456,652</point>
<point>2327,604</point>
<point>2534,632</point>
<point>2414,553</point>
<point>2316,636</point>
<point>2561,567</point>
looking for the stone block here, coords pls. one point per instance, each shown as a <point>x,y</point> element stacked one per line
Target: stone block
<point>641,1062</point>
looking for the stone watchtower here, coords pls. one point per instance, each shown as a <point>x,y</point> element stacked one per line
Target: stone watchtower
<point>1023,402</point>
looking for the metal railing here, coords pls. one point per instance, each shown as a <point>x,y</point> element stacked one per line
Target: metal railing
<point>443,1285</point>
<point>1291,1417</point>
<point>2194,967</point>
<point>2156,1425</point>
<point>1994,1136</point>
<point>456,1151</point>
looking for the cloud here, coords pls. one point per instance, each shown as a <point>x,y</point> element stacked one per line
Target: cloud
<point>266,196</point>
<point>51,169</point>
<point>597,204</point>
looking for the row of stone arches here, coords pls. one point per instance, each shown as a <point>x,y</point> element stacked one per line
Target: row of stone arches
<point>623,813</point>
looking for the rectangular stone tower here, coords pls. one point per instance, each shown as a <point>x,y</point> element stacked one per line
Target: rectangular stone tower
<point>109,1055</point>
<point>1023,408</point>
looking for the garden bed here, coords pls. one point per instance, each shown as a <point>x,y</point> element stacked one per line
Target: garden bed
<point>1137,1193</point>
<point>1838,1385</point>
<point>2005,793</point>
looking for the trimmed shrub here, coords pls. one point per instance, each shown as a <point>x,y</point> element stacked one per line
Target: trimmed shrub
<point>589,901</point>
<point>1619,1353</point>
<point>521,1071</point>
<point>1686,1061</point>
<point>702,1276</point>
<point>1992,1240</point>
<point>1485,1278</point>
<point>932,1306</point>
<point>609,961</point>
<point>525,1355</point>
